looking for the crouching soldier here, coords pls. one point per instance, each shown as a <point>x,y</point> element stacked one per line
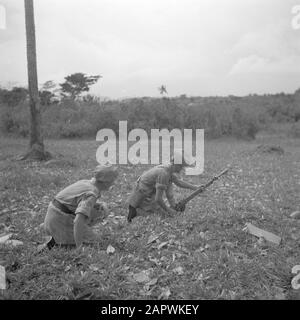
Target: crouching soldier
<point>75,209</point>
<point>151,186</point>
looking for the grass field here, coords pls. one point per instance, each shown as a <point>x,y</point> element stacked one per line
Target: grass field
<point>201,254</point>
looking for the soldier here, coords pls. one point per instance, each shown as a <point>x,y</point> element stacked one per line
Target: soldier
<point>151,185</point>
<point>74,209</point>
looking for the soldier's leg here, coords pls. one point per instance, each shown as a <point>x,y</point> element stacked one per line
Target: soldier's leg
<point>134,201</point>
<point>131,214</point>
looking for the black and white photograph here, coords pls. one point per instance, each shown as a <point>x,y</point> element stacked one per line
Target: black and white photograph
<point>149,153</point>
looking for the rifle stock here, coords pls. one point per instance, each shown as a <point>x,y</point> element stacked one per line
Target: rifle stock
<point>184,201</point>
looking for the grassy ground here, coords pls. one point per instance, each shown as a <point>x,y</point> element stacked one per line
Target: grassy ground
<point>201,254</point>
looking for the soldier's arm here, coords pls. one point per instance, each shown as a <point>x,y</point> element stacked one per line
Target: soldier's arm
<point>79,228</point>
<point>160,201</point>
<point>83,214</point>
<point>170,196</point>
<point>183,184</point>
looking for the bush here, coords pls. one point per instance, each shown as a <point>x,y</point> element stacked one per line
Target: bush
<point>15,119</point>
<point>244,125</point>
<point>240,117</point>
<point>77,130</point>
<point>294,131</point>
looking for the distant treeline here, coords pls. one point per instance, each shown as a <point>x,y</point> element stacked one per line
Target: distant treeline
<point>241,117</point>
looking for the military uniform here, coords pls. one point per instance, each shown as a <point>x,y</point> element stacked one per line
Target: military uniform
<point>143,195</point>
<point>78,198</point>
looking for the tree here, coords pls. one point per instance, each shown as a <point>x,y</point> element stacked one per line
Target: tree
<point>162,89</point>
<point>48,93</point>
<point>46,97</point>
<point>78,83</point>
<point>14,96</point>
<point>36,144</point>
<point>295,107</point>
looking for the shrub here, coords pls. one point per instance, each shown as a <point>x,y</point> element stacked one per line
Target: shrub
<point>15,119</point>
<point>244,125</point>
<point>294,131</point>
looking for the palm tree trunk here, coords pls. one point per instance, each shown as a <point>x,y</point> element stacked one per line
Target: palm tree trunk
<point>36,145</point>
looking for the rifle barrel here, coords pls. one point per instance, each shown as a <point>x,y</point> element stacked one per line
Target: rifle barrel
<point>202,188</point>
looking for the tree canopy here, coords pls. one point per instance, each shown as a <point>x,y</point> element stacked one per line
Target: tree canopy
<point>77,83</point>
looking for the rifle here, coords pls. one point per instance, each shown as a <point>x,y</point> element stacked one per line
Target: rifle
<point>180,206</point>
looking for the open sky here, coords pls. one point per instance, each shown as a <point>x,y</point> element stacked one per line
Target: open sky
<point>194,47</point>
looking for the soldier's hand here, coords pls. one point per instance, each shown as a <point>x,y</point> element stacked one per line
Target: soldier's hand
<point>172,212</point>
<point>180,207</point>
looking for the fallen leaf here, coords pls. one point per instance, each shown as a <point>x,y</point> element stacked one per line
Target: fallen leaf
<point>141,277</point>
<point>152,282</point>
<point>5,238</point>
<point>296,269</point>
<point>280,294</point>
<point>295,215</point>
<point>262,233</point>
<point>156,261</point>
<point>125,268</point>
<point>4,211</point>
<point>162,245</point>
<point>147,286</point>
<point>2,278</point>
<point>110,249</point>
<point>152,239</point>
<point>94,268</point>
<point>14,243</point>
<point>178,270</point>
<point>296,280</point>
<point>229,244</point>
<point>165,294</point>
<point>202,235</point>
<point>295,236</point>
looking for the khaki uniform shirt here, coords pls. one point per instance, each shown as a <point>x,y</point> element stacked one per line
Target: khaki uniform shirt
<point>79,197</point>
<point>158,177</point>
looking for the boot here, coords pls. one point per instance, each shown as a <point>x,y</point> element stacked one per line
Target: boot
<point>132,214</point>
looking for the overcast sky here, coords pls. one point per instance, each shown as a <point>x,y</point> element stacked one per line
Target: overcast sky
<point>194,47</point>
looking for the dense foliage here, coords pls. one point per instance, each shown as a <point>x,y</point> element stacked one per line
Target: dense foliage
<point>241,117</point>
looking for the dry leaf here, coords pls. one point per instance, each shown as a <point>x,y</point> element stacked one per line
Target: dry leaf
<point>2,278</point>
<point>5,238</point>
<point>149,284</point>
<point>202,235</point>
<point>152,238</point>
<point>295,215</point>
<point>152,282</point>
<point>141,277</point>
<point>296,280</point>
<point>94,268</point>
<point>262,233</point>
<point>296,269</point>
<point>162,245</point>
<point>110,249</point>
<point>178,270</point>
<point>165,294</point>
<point>156,261</point>
<point>14,243</point>
<point>280,294</point>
